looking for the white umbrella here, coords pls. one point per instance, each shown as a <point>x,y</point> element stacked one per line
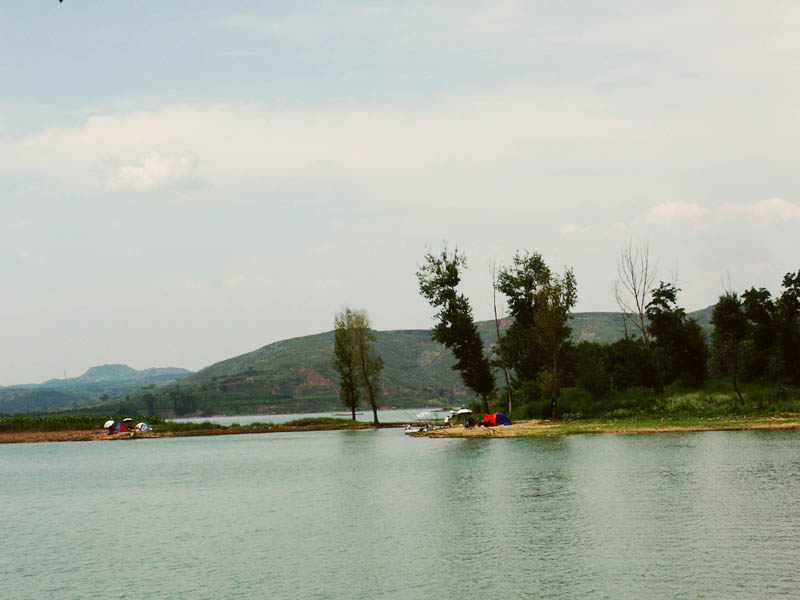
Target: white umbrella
<point>108,423</point>
<point>464,411</point>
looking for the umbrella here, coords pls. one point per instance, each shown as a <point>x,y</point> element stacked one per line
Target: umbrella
<point>464,411</point>
<point>108,423</point>
<point>127,420</point>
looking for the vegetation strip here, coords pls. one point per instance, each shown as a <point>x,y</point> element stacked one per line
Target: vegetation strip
<point>546,428</point>
<point>77,429</point>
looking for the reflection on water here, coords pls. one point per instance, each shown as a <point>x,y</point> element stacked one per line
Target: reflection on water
<point>376,514</point>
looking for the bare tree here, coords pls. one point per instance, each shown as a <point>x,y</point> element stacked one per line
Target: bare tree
<point>499,337</point>
<point>632,289</point>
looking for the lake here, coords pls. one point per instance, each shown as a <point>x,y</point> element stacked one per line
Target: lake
<point>375,514</point>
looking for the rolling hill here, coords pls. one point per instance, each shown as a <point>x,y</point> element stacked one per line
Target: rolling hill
<point>296,374</point>
<point>97,384</point>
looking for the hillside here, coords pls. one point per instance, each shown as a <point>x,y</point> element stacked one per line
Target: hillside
<point>296,374</point>
<point>97,384</point>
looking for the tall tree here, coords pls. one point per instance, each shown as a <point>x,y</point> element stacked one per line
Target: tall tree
<point>522,283</point>
<point>356,360</point>
<point>368,362</point>
<point>344,359</point>
<point>438,279</point>
<point>500,337</point>
<point>730,330</point>
<point>788,306</point>
<point>555,299</point>
<point>677,341</point>
<point>632,289</point>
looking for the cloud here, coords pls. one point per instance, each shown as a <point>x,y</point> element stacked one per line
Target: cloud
<point>678,211</point>
<point>771,210</point>
<point>155,171</point>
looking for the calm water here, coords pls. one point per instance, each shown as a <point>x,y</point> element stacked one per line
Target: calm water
<point>373,514</point>
<point>384,416</point>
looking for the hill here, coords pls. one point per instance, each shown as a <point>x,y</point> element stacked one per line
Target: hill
<point>97,384</point>
<point>296,374</point>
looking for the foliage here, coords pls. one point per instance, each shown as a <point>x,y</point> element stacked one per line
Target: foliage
<point>455,329</point>
<point>344,360</point>
<point>678,342</point>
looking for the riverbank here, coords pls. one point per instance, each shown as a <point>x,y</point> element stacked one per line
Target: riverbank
<point>98,435</point>
<point>546,428</point>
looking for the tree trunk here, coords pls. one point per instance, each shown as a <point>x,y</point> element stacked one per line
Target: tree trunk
<point>353,408</point>
<point>554,386</point>
<point>499,339</point>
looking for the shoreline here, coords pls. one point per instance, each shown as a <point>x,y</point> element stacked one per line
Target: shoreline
<point>528,428</point>
<point>95,435</point>
<point>546,428</point>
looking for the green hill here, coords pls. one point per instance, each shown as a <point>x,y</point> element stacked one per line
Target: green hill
<point>94,386</point>
<point>296,374</point>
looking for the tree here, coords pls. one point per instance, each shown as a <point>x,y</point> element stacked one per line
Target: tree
<point>789,339</point>
<point>354,352</point>
<point>730,331</point>
<point>499,336</point>
<point>678,342</point>
<point>345,358</point>
<point>183,400</point>
<point>521,284</point>
<point>149,403</point>
<point>455,329</point>
<point>555,299</point>
<point>631,290</point>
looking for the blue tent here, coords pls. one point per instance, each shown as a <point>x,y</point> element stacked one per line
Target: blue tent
<point>501,419</point>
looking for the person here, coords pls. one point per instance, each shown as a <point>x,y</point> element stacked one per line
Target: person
<point>447,421</point>
<point>470,423</point>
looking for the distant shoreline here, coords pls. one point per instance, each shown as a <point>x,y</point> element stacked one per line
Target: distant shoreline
<point>546,428</point>
<point>95,435</point>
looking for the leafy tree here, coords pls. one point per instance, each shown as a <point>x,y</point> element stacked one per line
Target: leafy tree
<point>730,330</point>
<point>183,400</point>
<point>522,283</point>
<point>345,359</point>
<point>354,352</point>
<point>759,359</point>
<point>149,403</point>
<point>455,329</point>
<point>555,298</point>
<point>678,342</point>
<point>788,309</point>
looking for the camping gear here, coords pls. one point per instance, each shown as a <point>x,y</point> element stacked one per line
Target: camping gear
<point>498,418</point>
<point>143,427</point>
<point>121,428</point>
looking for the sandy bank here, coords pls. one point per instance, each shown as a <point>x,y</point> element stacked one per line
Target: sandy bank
<point>542,428</point>
<point>95,435</point>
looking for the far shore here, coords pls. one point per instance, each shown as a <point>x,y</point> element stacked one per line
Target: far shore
<point>101,435</point>
<point>547,428</point>
<point>530,428</point>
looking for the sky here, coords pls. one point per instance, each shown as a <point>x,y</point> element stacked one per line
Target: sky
<point>183,183</point>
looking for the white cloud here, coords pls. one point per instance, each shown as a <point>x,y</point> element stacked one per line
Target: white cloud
<point>771,210</point>
<point>155,171</point>
<point>678,211</point>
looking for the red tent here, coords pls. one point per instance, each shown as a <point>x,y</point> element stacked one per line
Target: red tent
<point>489,420</point>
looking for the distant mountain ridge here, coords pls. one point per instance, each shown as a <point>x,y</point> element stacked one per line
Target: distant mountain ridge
<point>91,387</point>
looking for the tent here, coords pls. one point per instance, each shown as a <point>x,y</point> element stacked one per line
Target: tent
<point>121,428</point>
<point>143,427</point>
<point>498,418</point>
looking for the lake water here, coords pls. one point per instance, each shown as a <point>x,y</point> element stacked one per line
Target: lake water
<point>375,514</point>
<point>404,415</point>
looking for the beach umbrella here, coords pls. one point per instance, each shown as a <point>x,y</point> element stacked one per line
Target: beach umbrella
<point>464,411</point>
<point>108,423</point>
<point>127,420</point>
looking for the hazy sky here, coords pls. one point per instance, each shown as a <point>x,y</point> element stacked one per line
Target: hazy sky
<point>184,182</point>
